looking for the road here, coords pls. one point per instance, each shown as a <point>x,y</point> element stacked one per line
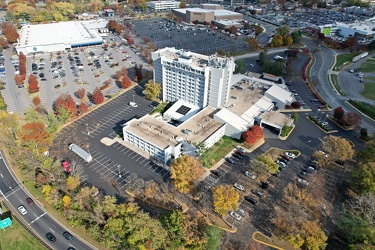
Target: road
<point>320,70</point>
<point>37,219</point>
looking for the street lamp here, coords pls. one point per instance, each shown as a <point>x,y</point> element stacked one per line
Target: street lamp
<point>119,173</point>
<point>316,115</point>
<point>320,117</point>
<point>133,99</point>
<point>87,128</point>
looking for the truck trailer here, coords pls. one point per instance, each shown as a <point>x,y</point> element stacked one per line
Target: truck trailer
<point>80,152</point>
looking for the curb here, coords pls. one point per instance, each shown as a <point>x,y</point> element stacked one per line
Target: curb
<point>264,243</point>
<point>350,105</point>
<point>283,138</point>
<point>327,132</point>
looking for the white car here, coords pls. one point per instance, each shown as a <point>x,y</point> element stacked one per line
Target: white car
<point>280,163</point>
<point>303,182</point>
<point>324,123</point>
<point>248,174</point>
<point>291,155</point>
<point>241,212</point>
<point>241,149</point>
<point>133,104</point>
<point>235,215</point>
<point>22,210</point>
<point>238,186</point>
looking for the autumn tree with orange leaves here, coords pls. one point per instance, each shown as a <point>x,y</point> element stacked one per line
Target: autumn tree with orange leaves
<point>65,107</point>
<point>33,84</point>
<point>18,79</point>
<point>83,108</point>
<point>97,96</point>
<point>81,93</point>
<point>126,82</point>
<point>10,32</point>
<point>253,135</point>
<point>35,133</point>
<point>22,64</point>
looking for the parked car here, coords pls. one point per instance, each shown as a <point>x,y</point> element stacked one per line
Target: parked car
<point>230,160</point>
<point>217,173</point>
<point>235,215</point>
<point>277,174</point>
<point>248,174</point>
<point>238,186</point>
<point>264,185</point>
<point>291,155</point>
<point>257,193</point>
<point>286,158</point>
<point>241,212</point>
<point>22,210</point>
<point>237,156</point>
<point>238,152</point>
<point>302,182</point>
<point>324,123</point>
<point>50,237</point>
<point>241,149</point>
<point>283,160</point>
<point>251,200</point>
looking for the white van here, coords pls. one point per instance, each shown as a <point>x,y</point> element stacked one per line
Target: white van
<point>133,104</point>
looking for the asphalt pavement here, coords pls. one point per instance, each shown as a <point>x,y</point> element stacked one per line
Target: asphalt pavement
<point>37,219</point>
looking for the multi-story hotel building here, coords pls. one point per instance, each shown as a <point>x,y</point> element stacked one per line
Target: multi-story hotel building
<point>163,5</point>
<point>194,78</point>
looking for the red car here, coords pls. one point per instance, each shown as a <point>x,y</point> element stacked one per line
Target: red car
<point>238,152</point>
<point>287,158</point>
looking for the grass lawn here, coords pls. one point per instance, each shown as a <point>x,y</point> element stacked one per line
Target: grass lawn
<point>342,58</point>
<point>366,108</point>
<point>218,151</point>
<point>17,238</point>
<point>369,90</point>
<point>367,67</point>
<point>335,82</point>
<point>371,78</point>
<point>160,108</point>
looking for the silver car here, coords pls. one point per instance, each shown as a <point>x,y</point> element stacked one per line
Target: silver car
<point>248,174</point>
<point>235,215</point>
<point>238,186</point>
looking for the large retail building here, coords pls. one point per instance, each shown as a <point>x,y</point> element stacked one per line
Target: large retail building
<point>51,37</point>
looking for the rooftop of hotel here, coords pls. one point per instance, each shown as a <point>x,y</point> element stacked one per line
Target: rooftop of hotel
<point>162,134</point>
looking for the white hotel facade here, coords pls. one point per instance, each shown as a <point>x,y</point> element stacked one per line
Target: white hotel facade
<point>163,5</point>
<point>198,79</point>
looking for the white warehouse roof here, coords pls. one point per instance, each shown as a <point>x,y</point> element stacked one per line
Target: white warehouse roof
<point>59,36</point>
<point>280,94</point>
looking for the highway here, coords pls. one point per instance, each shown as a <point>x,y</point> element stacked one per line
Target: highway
<point>37,220</point>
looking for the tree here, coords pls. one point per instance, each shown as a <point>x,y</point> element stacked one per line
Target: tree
<point>358,219</point>
<point>65,105</point>
<point>253,135</point>
<point>283,30</point>
<point>81,93</point>
<point>72,183</point>
<point>252,43</point>
<point>36,101</point>
<point>22,65</point>
<point>338,113</point>
<point>296,36</point>
<point>194,230</point>
<point>83,108</point>
<point>125,82</point>
<point>233,29</point>
<point>364,177</point>
<point>184,171</point>
<point>182,4</point>
<point>152,90</point>
<point>363,133</point>
<point>112,24</point>
<point>3,43</point>
<point>10,32</point>
<point>296,105</point>
<point>33,84</point>
<point>337,148</point>
<point>138,73</point>
<point>258,30</point>
<point>97,96</point>
<point>287,40</point>
<point>277,41</point>
<point>120,73</point>
<point>172,221</point>
<point>315,238</point>
<point>66,201</point>
<point>351,119</point>
<point>146,39</point>
<point>35,133</point>
<point>225,198</point>
<point>267,160</point>
<point>240,66</point>
<point>368,153</point>
<point>18,79</point>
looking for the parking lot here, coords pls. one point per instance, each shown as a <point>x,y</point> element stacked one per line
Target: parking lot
<point>115,166</point>
<point>163,33</point>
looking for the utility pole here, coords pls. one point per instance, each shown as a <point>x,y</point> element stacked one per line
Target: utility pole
<point>87,128</point>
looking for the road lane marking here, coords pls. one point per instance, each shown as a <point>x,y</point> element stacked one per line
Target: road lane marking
<point>37,218</point>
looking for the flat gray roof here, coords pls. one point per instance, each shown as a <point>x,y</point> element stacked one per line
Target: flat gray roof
<point>163,134</point>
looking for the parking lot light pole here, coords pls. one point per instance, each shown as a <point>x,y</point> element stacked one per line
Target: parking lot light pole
<point>119,173</point>
<point>321,116</point>
<point>87,128</point>
<point>133,99</point>
<point>316,115</point>
<point>325,118</point>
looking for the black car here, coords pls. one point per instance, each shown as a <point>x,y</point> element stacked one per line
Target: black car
<point>41,74</point>
<point>20,86</point>
<point>43,79</point>
<point>50,237</point>
<point>264,185</point>
<point>277,174</point>
<point>67,236</point>
<point>71,248</point>
<point>217,173</point>
<point>237,156</point>
<point>57,86</point>
<point>251,200</point>
<point>284,160</point>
